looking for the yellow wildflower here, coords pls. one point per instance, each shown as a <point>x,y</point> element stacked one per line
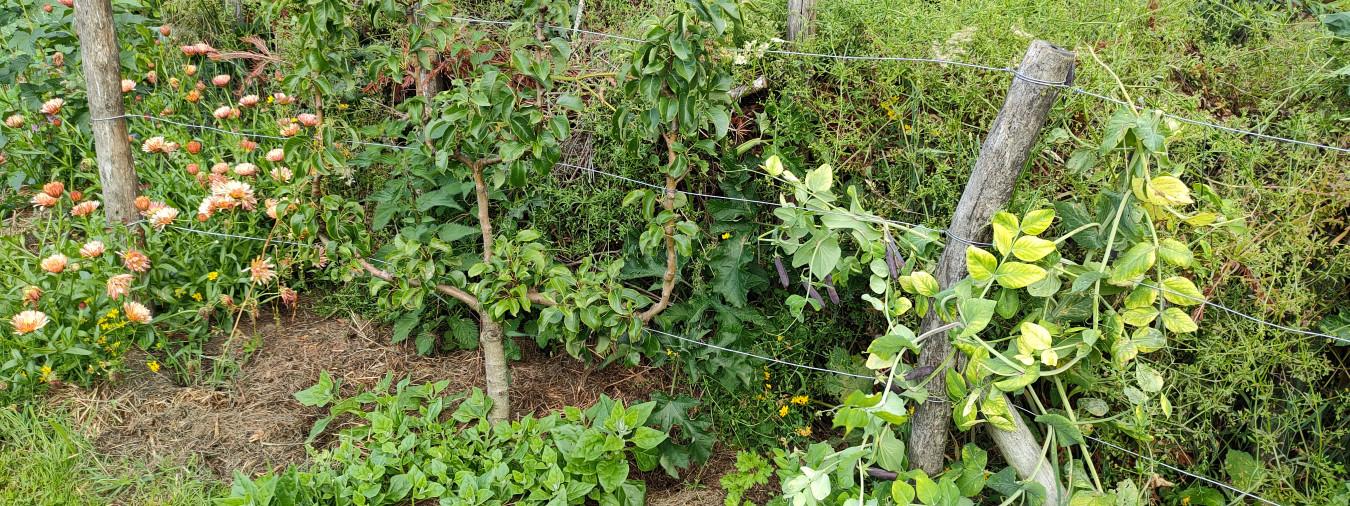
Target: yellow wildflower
<point>197,296</point>
<point>804,431</point>
<point>342,106</point>
<point>766,375</point>
<point>782,411</point>
<point>113,313</point>
<point>768,386</point>
<point>726,235</point>
<point>46,371</point>
<point>800,400</point>
<point>152,365</point>
<point>211,276</point>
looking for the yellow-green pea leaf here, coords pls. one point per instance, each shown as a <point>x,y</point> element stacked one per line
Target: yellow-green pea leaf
<point>925,284</point>
<point>980,263</point>
<point>1178,321</point>
<point>1030,248</point>
<point>1005,230</point>
<point>1181,291</point>
<point>1018,275</point>
<point>1034,337</point>
<point>1169,191</point>
<point>1035,222</point>
<point>1175,252</point>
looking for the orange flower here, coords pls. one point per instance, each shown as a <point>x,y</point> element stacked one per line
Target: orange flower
<point>128,86</point>
<point>135,261</point>
<point>119,285</point>
<point>193,96</point>
<point>193,169</point>
<point>246,169</point>
<point>28,321</point>
<point>220,168</point>
<point>54,188</point>
<point>290,130</point>
<point>248,145</point>
<point>52,106</point>
<point>55,263</point>
<point>14,121</point>
<point>248,101</point>
<point>158,145</point>
<point>163,216</point>
<point>289,297</point>
<point>221,80</point>
<point>84,208</point>
<point>222,112</point>
<point>152,77</point>
<point>92,249</point>
<point>190,70</point>
<point>283,99</point>
<point>282,174</point>
<point>260,271</point>
<point>142,202</point>
<point>275,155</point>
<point>43,200</point>
<point>136,312</point>
<point>194,146</point>
<point>308,119</point>
<point>76,196</point>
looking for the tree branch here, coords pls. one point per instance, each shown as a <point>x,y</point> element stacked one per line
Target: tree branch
<point>461,295</point>
<point>667,202</point>
<point>540,299</point>
<point>484,220</point>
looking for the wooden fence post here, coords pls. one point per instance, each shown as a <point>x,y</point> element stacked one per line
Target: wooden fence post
<point>801,18</point>
<point>101,61</point>
<point>1004,152</point>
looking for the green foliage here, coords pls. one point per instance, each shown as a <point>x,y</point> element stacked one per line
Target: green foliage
<point>414,443</point>
<point>751,471</point>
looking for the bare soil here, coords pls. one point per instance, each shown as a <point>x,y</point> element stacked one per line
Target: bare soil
<point>253,424</point>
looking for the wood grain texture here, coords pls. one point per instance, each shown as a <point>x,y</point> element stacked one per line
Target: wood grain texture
<point>1002,155</point>
<point>101,59</point>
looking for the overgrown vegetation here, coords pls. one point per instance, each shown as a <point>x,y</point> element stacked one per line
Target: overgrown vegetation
<point>548,253</point>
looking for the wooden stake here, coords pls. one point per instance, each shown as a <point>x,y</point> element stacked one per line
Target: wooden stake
<point>1004,152</point>
<point>103,78</point>
<point>801,19</point>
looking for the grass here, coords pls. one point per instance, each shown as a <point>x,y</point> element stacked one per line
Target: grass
<point>45,460</point>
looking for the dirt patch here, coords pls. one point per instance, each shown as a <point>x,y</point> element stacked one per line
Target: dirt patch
<point>253,424</point>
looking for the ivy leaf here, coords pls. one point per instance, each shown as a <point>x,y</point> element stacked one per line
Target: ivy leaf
<point>1175,252</point>
<point>1134,263</point>
<point>1018,275</point>
<point>980,263</point>
<point>1035,222</point>
<point>1178,321</point>
<point>1181,291</point>
<point>1030,248</point>
<point>1005,229</point>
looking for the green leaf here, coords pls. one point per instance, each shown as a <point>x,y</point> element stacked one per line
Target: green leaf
<point>1175,252</point>
<point>720,121</point>
<point>902,492</point>
<point>980,263</point>
<point>611,473</point>
<point>320,394</point>
<point>1005,229</point>
<point>890,452</point>
<point>1178,321</point>
<point>1134,263</point>
<point>1065,430</point>
<point>1034,337</point>
<point>570,101</point>
<point>1035,222</point>
<point>1181,291</point>
<point>647,438</point>
<point>995,409</point>
<point>973,462</point>
<point>925,489</point>
<point>925,284</point>
<point>728,263</point>
<point>1031,248</point>
<point>1168,190</point>
<point>825,257</point>
<point>975,315</point>
<point>1148,379</point>
<point>1017,274</point>
<point>821,179</point>
<point>1245,471</point>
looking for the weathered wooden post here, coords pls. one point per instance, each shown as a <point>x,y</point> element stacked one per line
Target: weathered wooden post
<point>801,18</point>
<point>101,61</point>
<point>1004,152</point>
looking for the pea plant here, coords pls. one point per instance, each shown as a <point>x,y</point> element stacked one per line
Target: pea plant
<point>1057,311</point>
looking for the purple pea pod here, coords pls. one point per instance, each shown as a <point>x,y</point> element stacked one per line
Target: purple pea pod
<point>894,262</point>
<point>782,273</point>
<point>829,288</point>
<point>812,293</point>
